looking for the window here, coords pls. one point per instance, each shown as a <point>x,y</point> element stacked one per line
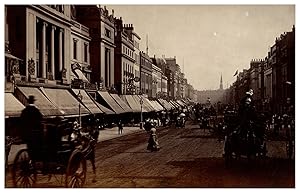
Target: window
<point>107,33</point>
<point>75,49</point>
<point>85,52</point>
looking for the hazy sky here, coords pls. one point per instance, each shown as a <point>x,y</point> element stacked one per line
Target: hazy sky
<point>208,39</point>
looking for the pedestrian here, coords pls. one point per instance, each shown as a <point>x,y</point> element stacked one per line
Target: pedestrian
<point>120,130</point>
<point>153,144</point>
<point>32,131</point>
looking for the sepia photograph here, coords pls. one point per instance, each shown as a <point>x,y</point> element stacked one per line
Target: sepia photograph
<point>149,95</point>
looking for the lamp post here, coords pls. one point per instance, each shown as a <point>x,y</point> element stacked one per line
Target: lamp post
<point>141,102</point>
<point>137,79</point>
<point>79,96</point>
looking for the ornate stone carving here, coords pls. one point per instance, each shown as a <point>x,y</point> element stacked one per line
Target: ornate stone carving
<point>73,12</point>
<point>64,73</point>
<point>50,76</point>
<point>31,67</point>
<point>14,67</point>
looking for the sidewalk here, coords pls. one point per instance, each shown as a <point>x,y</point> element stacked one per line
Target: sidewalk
<point>105,134</point>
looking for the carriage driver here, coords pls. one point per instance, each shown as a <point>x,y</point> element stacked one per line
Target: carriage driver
<point>31,128</point>
<point>246,113</point>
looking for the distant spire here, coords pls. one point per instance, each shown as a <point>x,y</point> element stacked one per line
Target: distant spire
<point>183,65</point>
<point>147,44</point>
<point>221,83</point>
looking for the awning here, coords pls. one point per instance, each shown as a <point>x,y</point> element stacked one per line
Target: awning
<point>136,107</point>
<point>111,102</point>
<point>138,101</point>
<point>161,108</point>
<point>169,104</point>
<point>154,105</point>
<point>148,105</point>
<point>174,104</point>
<point>46,107</point>
<point>11,56</point>
<point>87,101</point>
<point>180,102</point>
<point>104,109</point>
<point>80,75</point>
<point>65,101</point>
<point>124,106</point>
<point>165,104</point>
<point>13,107</point>
<point>177,104</point>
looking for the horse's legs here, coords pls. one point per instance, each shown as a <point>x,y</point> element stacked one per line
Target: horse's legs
<point>93,166</point>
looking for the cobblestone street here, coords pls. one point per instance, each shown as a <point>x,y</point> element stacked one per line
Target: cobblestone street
<point>188,157</point>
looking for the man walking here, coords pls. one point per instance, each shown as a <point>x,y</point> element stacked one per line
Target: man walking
<point>120,127</point>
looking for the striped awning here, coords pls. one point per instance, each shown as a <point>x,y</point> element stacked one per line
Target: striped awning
<point>104,109</point>
<point>135,106</point>
<point>13,107</point>
<point>157,105</point>
<point>180,102</point>
<point>111,102</point>
<point>148,105</point>
<point>122,104</point>
<point>87,101</point>
<point>46,107</point>
<point>65,101</point>
<point>137,99</point>
<point>165,104</point>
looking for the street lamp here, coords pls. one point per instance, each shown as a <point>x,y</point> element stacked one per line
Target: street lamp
<point>137,79</point>
<point>79,96</point>
<point>141,102</point>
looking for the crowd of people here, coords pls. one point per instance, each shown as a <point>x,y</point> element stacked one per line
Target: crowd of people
<point>240,120</point>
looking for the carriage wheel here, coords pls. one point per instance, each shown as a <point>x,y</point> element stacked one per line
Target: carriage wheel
<point>76,170</point>
<point>23,173</point>
<point>227,152</point>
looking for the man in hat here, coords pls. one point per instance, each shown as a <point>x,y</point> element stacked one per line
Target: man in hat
<point>31,127</point>
<point>246,112</point>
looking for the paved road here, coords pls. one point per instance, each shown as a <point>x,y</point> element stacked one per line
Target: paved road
<point>189,157</point>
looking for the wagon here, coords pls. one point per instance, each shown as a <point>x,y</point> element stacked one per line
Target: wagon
<point>250,144</point>
<point>58,157</point>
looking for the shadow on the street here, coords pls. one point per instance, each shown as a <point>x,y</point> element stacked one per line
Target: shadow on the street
<point>198,136</point>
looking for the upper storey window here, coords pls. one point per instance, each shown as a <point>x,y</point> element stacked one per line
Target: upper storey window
<point>107,33</point>
<point>59,8</point>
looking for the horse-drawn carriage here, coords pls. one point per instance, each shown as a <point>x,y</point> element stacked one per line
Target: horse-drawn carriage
<point>64,152</point>
<point>244,140</point>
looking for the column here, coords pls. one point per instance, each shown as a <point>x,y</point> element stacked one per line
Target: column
<point>44,50</point>
<point>52,52</point>
<point>6,32</point>
<point>60,50</point>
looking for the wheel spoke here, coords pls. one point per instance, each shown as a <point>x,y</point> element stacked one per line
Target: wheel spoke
<point>73,181</point>
<point>18,179</point>
<point>23,182</point>
<point>32,178</point>
<point>79,179</point>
